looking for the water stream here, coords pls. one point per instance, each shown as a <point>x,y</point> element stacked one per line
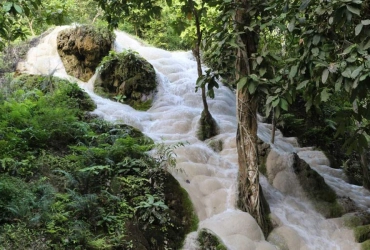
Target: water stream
<point>210,177</point>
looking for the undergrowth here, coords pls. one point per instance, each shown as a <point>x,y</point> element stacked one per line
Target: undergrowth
<point>72,181</point>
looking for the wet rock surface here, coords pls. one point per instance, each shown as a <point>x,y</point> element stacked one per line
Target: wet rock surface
<point>82,49</point>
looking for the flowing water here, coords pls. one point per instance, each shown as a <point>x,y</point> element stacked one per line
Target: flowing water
<point>210,177</point>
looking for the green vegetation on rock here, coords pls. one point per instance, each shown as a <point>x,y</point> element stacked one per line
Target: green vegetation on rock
<point>323,197</point>
<point>365,245</point>
<point>71,181</point>
<point>209,241</point>
<point>128,78</point>
<point>207,127</point>
<point>82,48</point>
<point>362,233</point>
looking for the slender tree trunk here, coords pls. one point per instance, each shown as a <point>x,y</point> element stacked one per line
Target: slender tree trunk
<point>197,58</point>
<point>208,126</point>
<point>273,127</point>
<point>250,197</point>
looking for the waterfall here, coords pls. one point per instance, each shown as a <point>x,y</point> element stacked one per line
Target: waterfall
<point>207,176</point>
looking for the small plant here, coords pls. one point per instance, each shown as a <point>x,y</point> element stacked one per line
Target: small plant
<point>151,210</point>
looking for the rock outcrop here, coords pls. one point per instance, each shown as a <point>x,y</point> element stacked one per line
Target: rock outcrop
<point>127,78</point>
<point>82,49</point>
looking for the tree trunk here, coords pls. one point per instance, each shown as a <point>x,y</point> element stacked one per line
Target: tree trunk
<point>207,125</point>
<point>273,127</point>
<point>250,197</point>
<point>365,170</point>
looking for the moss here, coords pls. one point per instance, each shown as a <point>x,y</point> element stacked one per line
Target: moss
<point>216,145</point>
<point>209,241</point>
<point>181,211</point>
<point>328,209</point>
<point>49,84</point>
<point>128,78</point>
<point>362,233</point>
<point>82,48</point>
<point>207,126</point>
<point>365,245</point>
<point>314,185</point>
<point>356,219</point>
<point>143,106</point>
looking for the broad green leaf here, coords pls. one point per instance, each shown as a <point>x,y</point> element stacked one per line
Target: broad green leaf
<point>351,59</point>
<point>259,60</point>
<point>284,104</point>
<point>18,8</point>
<point>302,84</point>
<point>270,99</point>
<point>358,28</point>
<point>365,22</point>
<point>355,83</point>
<point>315,51</point>
<point>252,86</point>
<point>304,4</point>
<point>324,95</point>
<point>353,10</point>
<point>347,73</point>
<point>277,112</point>
<point>254,77</point>
<point>291,25</point>
<point>7,6</point>
<point>293,71</point>
<point>331,19</point>
<point>338,84</point>
<point>241,83</point>
<point>363,77</point>
<point>262,71</point>
<point>320,11</point>
<point>357,71</point>
<point>316,40</point>
<point>349,49</point>
<point>275,102</point>
<point>200,81</point>
<point>325,75</point>
<point>169,2</point>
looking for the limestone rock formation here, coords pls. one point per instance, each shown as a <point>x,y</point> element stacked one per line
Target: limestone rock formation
<point>82,48</point>
<point>128,78</point>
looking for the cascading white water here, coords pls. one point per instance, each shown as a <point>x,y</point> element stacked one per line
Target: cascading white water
<point>210,177</point>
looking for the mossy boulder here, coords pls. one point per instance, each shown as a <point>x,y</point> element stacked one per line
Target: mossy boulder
<point>362,233</point>
<point>207,126</point>
<point>209,241</point>
<point>365,245</point>
<point>215,145</point>
<point>82,48</point>
<point>127,78</point>
<point>315,187</point>
<point>47,84</point>
<point>181,216</point>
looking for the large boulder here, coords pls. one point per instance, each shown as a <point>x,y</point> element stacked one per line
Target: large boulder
<point>315,187</point>
<point>82,48</point>
<point>127,78</point>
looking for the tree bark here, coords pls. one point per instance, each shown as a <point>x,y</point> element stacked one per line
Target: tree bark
<point>273,130</point>
<point>365,170</point>
<point>250,196</point>
<point>208,125</point>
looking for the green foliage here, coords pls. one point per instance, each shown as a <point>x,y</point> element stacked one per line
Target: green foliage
<point>127,78</point>
<point>362,233</point>
<point>138,12</point>
<point>75,182</point>
<point>208,240</point>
